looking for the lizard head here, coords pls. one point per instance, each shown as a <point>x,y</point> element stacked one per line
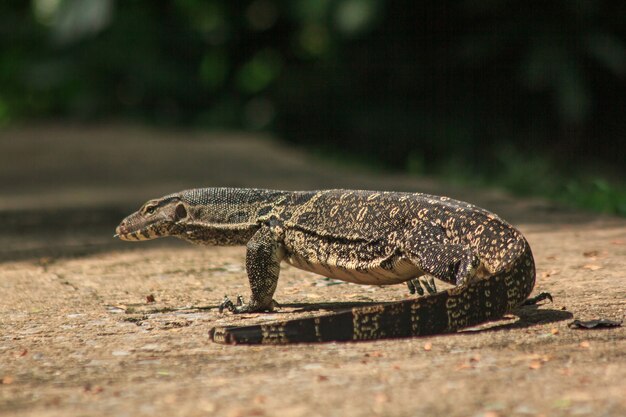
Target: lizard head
<point>156,218</point>
<point>209,216</point>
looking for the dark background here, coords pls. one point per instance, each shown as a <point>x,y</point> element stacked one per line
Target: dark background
<point>529,95</point>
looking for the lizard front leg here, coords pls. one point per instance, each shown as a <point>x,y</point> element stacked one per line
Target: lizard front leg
<point>263,256</point>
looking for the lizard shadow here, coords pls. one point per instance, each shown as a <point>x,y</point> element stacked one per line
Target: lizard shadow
<point>337,307</point>
<point>534,315</point>
<point>527,316</point>
<point>334,307</point>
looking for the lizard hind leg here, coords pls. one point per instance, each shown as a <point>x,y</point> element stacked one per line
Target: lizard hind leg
<point>451,263</point>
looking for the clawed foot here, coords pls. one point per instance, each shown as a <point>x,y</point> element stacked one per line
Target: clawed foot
<point>240,307</point>
<point>538,298</point>
<point>419,284</point>
<point>227,304</point>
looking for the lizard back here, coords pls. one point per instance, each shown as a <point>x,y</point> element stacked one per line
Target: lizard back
<point>358,236</point>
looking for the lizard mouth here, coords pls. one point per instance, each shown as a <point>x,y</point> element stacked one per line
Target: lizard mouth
<point>145,233</point>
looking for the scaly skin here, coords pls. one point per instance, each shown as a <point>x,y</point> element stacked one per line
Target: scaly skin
<point>364,237</point>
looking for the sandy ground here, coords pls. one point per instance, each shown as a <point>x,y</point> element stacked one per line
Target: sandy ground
<point>78,336</point>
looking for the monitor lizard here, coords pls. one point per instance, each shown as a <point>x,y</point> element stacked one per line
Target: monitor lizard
<point>365,237</point>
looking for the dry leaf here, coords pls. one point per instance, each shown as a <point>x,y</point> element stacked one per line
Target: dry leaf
<point>382,398</point>
<point>591,253</point>
<point>242,412</point>
<point>552,272</point>
<point>428,346</point>
<point>554,331</point>
<point>170,399</point>
<point>584,344</point>
<point>535,357</point>
<point>87,388</point>
<point>150,298</point>
<point>207,407</point>
<point>536,364</point>
<point>592,267</point>
<point>618,242</point>
<point>322,378</point>
<point>594,324</point>
<point>7,379</point>
<point>463,366</point>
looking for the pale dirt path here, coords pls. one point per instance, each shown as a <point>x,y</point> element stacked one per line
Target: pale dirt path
<point>78,338</point>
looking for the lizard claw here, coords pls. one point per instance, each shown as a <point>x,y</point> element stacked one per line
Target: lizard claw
<point>227,304</point>
<point>414,286</point>
<point>418,285</point>
<point>239,301</point>
<point>239,307</point>
<point>428,282</point>
<point>537,298</point>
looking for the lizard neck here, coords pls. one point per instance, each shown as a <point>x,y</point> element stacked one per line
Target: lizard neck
<point>227,216</point>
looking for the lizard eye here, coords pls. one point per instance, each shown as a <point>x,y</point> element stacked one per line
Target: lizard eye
<point>150,209</point>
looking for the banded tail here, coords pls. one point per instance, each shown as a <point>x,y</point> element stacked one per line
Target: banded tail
<point>463,306</point>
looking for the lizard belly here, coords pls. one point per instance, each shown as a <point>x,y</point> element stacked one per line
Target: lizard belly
<point>373,274</point>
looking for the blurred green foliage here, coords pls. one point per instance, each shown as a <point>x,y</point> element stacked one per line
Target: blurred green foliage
<point>525,92</point>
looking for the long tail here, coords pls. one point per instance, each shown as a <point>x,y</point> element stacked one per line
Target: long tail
<point>463,306</point>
